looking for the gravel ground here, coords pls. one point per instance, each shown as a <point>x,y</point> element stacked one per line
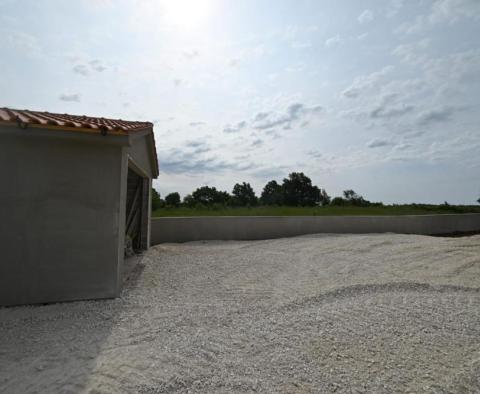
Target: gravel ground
<point>324,313</point>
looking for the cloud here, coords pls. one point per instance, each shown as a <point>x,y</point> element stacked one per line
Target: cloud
<point>367,82</point>
<point>99,3</point>
<point>248,54</point>
<point>191,54</point>
<point>452,11</point>
<point>395,7</point>
<point>365,17</point>
<point>378,143</point>
<point>81,69</point>
<point>196,157</point>
<point>403,147</point>
<point>442,12</point>
<point>301,45</point>
<point>413,53</point>
<point>257,143</point>
<point>194,144</point>
<point>236,128</point>
<point>261,116</point>
<point>457,67</point>
<point>75,97</point>
<point>386,112</point>
<point>333,41</point>
<point>177,82</point>
<point>22,42</point>
<point>234,62</point>
<point>181,161</point>
<point>438,115</point>
<point>94,65</point>
<point>270,172</point>
<point>97,65</point>
<point>196,124</point>
<point>414,134</point>
<point>293,114</point>
<point>315,154</point>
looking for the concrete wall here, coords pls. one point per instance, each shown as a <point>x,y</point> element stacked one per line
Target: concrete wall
<point>60,216</point>
<point>264,227</point>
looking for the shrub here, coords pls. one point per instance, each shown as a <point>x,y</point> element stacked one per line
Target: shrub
<point>173,199</point>
<point>157,202</point>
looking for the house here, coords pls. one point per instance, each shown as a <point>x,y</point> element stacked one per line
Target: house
<point>74,191</point>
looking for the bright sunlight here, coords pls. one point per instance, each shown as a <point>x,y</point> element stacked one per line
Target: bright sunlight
<point>187,14</point>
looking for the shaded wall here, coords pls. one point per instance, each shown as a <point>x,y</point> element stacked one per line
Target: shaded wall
<point>185,229</point>
<point>60,204</point>
<point>139,160</point>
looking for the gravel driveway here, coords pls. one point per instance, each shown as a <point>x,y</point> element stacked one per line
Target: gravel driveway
<point>345,313</point>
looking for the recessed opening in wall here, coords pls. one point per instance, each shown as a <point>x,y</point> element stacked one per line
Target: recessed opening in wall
<point>136,224</point>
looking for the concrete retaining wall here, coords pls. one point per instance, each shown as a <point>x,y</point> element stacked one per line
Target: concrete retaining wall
<point>184,229</point>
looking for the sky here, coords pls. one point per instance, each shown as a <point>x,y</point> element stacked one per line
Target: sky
<point>379,96</point>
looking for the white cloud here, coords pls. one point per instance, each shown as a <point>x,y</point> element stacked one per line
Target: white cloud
<point>441,12</point>
<point>21,41</point>
<point>394,8</point>
<point>294,114</point>
<point>364,83</point>
<point>452,11</point>
<point>191,54</point>
<point>366,17</point>
<point>413,53</point>
<point>333,41</point>
<point>235,128</point>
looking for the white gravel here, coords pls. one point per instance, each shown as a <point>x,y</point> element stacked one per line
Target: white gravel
<point>346,313</point>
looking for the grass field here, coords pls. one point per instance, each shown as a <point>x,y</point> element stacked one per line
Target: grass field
<point>415,209</point>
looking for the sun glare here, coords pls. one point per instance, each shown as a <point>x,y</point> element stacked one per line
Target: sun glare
<point>187,14</point>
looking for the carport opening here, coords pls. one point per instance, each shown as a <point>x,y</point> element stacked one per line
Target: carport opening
<point>136,223</point>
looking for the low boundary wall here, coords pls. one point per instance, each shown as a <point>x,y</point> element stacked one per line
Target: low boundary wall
<point>184,229</point>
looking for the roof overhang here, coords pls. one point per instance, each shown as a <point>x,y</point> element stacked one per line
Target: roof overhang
<point>111,136</point>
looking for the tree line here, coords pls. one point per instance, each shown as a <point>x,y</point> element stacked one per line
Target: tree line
<point>295,190</point>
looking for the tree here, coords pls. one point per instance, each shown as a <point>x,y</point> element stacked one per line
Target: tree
<point>223,198</point>
<point>189,201</point>
<point>478,200</point>
<point>207,195</point>
<point>272,194</point>
<point>338,201</point>
<point>244,195</point>
<point>299,191</point>
<point>353,198</point>
<point>157,202</point>
<point>350,195</point>
<point>324,197</point>
<point>173,199</point>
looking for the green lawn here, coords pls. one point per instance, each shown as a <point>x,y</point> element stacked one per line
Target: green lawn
<point>417,209</point>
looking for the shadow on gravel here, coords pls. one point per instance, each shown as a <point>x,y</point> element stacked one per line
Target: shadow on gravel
<point>383,288</point>
<point>457,234</point>
<point>59,346</point>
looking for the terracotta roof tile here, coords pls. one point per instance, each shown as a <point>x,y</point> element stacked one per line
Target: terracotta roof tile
<point>25,118</point>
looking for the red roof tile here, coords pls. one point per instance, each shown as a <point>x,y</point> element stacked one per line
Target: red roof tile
<point>26,118</point>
